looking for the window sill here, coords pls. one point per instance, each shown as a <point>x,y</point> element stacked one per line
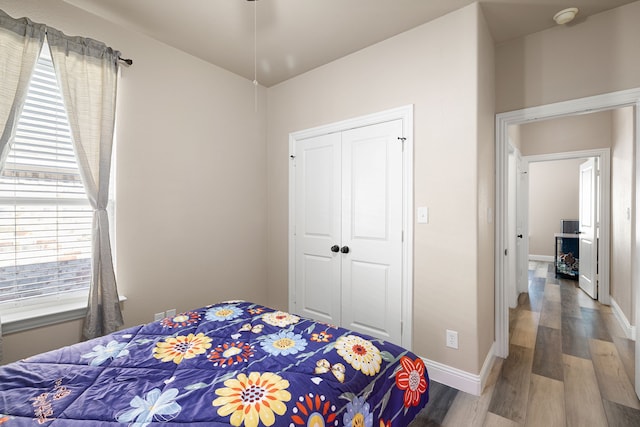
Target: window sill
<point>38,316</point>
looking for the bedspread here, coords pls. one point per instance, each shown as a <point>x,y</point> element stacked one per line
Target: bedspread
<point>234,363</point>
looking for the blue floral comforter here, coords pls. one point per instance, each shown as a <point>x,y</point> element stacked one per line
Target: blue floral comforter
<point>234,363</point>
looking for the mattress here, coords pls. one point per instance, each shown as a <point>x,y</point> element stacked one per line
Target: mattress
<point>233,363</point>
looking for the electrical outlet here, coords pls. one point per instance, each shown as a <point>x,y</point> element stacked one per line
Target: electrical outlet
<point>171,312</point>
<point>158,316</point>
<point>452,339</point>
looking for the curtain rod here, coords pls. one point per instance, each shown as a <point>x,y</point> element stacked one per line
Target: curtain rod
<point>125,60</point>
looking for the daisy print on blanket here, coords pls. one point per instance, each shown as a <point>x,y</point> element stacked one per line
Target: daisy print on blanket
<point>361,354</point>
<point>280,319</point>
<point>231,353</point>
<point>314,410</point>
<point>254,399</point>
<point>283,343</point>
<point>175,349</point>
<point>223,312</point>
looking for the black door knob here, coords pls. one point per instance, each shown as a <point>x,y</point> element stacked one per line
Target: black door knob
<point>519,236</point>
<point>344,249</point>
<point>335,248</point>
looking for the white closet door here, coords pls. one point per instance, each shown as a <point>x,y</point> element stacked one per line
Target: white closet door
<point>372,230</point>
<point>318,222</point>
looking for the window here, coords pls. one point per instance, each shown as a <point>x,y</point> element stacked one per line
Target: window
<point>45,217</point>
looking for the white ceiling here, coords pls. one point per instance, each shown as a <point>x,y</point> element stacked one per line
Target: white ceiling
<point>295,36</point>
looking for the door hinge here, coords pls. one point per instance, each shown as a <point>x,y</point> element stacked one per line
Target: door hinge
<point>293,158</point>
<point>402,139</point>
<point>505,252</point>
<point>402,236</point>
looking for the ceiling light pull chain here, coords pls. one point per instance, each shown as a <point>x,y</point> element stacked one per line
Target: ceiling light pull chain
<point>255,56</point>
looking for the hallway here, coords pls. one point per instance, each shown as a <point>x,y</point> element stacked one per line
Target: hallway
<point>569,364</point>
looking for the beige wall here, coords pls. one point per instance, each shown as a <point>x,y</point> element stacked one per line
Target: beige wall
<point>554,190</point>
<point>572,133</point>
<point>601,54</point>
<point>486,191</point>
<point>436,68</point>
<point>622,210</point>
<point>191,227</point>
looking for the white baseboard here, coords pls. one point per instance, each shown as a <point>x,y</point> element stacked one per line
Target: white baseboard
<point>629,330</point>
<point>542,258</point>
<point>459,379</point>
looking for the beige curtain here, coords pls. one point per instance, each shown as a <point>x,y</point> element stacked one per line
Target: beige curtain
<point>87,72</point>
<point>20,44</point>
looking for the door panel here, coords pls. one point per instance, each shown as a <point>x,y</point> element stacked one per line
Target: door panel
<point>588,229</point>
<point>318,272</point>
<point>368,187</point>
<point>370,289</point>
<point>372,229</point>
<point>318,223</point>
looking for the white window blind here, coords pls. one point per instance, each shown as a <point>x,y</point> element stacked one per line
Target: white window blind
<point>45,217</point>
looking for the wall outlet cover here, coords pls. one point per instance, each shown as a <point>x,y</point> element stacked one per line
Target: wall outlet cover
<point>452,339</point>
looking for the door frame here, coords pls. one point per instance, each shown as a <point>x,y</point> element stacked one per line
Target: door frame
<point>604,208</point>
<point>404,113</point>
<point>590,104</point>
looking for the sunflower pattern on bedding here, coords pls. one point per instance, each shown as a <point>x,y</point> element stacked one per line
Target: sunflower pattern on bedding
<point>235,363</point>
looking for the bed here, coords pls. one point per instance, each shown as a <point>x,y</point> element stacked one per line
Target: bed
<point>233,363</point>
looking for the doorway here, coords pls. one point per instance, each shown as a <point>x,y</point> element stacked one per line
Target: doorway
<point>554,195</point>
<point>530,115</point>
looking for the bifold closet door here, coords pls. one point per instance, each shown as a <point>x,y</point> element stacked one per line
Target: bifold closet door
<point>317,228</point>
<point>348,229</point>
<point>372,229</point>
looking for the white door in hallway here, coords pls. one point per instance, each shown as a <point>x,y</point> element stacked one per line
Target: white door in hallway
<point>588,260</point>
<point>349,208</point>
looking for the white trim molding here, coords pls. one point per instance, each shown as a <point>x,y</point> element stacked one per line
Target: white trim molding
<point>46,314</point>
<point>629,330</point>
<point>541,258</point>
<point>459,379</point>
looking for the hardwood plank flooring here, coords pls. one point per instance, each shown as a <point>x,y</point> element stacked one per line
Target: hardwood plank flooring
<point>511,394</point>
<point>574,338</point>
<point>546,402</point>
<point>547,357</point>
<point>469,410</point>
<point>620,415</point>
<point>550,316</point>
<point>525,329</point>
<point>583,402</point>
<point>570,364</point>
<point>626,351</point>
<point>612,378</point>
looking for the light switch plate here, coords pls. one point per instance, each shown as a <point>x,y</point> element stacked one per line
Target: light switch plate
<point>423,215</point>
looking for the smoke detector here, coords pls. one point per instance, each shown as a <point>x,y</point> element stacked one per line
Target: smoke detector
<point>565,15</point>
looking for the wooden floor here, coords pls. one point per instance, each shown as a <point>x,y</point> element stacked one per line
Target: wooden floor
<point>569,364</point>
